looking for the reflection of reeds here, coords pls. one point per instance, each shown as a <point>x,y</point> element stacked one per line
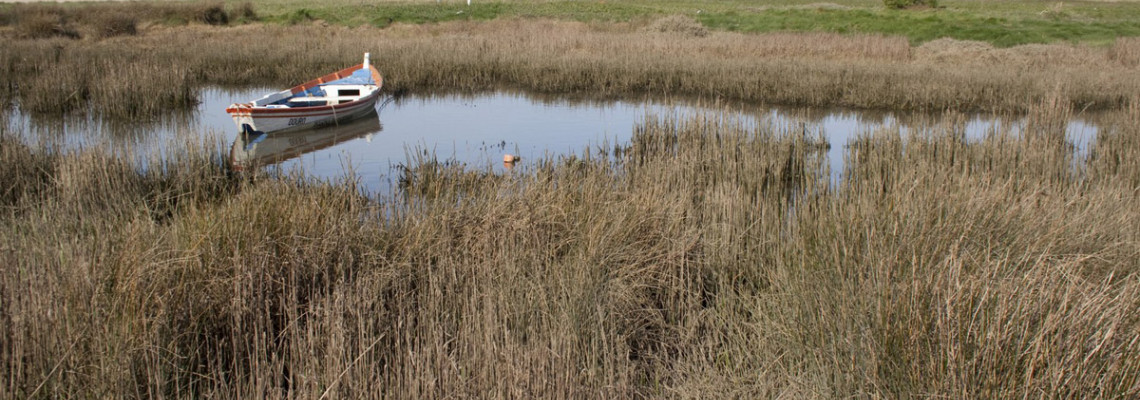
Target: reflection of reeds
<point>569,57</point>
<point>708,258</point>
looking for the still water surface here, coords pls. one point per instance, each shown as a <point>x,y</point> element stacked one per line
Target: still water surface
<point>476,130</point>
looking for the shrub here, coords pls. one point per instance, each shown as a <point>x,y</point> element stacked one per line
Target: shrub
<point>45,25</point>
<point>901,4</point>
<point>7,17</point>
<point>116,25</point>
<point>214,15</point>
<point>300,16</point>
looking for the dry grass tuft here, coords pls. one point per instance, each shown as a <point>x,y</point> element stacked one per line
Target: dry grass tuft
<point>116,25</point>
<point>678,24</point>
<point>1126,51</point>
<point>1032,56</point>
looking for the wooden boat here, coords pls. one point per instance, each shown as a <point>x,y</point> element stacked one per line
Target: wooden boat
<point>325,101</point>
<point>260,149</point>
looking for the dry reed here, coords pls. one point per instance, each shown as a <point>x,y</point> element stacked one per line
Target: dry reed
<point>708,258</point>
<point>1126,51</point>
<point>569,57</point>
<point>102,20</point>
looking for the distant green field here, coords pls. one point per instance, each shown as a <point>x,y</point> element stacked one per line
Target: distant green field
<point>1002,23</point>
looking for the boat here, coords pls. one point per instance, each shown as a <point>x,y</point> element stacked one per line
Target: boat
<point>253,150</point>
<point>325,101</point>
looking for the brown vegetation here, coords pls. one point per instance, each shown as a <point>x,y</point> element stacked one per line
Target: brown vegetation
<point>104,20</point>
<point>44,24</point>
<point>116,25</point>
<point>1126,51</point>
<point>569,57</point>
<point>707,258</point>
<point>678,24</point>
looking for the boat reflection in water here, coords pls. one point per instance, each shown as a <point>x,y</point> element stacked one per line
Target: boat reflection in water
<point>252,150</point>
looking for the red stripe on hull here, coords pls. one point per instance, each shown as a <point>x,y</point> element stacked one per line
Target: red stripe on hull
<point>304,111</point>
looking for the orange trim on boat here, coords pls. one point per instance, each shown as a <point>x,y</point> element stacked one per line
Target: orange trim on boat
<point>329,78</point>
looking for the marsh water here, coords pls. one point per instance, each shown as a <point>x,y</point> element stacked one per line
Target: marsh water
<point>474,130</point>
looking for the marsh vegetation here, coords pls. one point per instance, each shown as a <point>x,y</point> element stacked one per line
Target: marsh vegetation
<point>161,68</point>
<point>706,257</point>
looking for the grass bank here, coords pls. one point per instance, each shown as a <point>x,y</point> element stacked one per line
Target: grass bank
<point>140,75</point>
<point>1004,24</point>
<point>706,258</point>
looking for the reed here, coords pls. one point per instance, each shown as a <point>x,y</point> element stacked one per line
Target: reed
<point>1126,51</point>
<point>91,18</point>
<point>823,70</point>
<point>708,257</point>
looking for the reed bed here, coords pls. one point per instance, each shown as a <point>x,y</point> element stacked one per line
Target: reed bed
<point>102,20</point>
<point>600,60</point>
<point>709,257</point>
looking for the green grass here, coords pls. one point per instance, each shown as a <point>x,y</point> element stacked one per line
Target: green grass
<point>1000,23</point>
<point>924,25</point>
<point>382,14</point>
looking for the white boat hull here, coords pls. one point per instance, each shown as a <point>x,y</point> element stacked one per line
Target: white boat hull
<point>325,101</point>
<point>289,119</point>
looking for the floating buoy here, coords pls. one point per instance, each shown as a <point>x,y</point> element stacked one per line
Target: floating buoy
<point>511,159</point>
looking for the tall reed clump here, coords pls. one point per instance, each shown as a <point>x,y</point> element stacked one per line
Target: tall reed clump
<point>1110,161</point>
<point>1126,51</point>
<point>69,78</point>
<point>65,216</point>
<point>708,257</point>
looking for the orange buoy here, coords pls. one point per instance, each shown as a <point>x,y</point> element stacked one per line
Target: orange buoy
<point>511,159</point>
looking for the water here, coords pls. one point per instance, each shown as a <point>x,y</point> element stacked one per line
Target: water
<point>475,130</point>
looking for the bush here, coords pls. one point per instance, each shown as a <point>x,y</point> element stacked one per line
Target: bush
<point>214,15</point>
<point>300,16</point>
<point>116,25</point>
<point>45,25</point>
<point>901,4</point>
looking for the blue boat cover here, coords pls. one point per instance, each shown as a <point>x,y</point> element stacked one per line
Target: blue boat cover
<point>359,77</point>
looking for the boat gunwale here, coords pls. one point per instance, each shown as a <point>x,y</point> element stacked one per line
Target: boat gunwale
<point>242,109</point>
